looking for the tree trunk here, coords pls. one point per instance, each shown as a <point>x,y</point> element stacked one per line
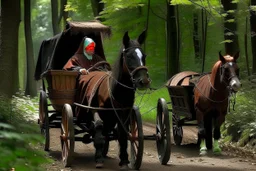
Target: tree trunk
<point>63,13</point>
<point>230,32</point>
<point>196,35</point>
<point>55,18</point>
<point>253,36</point>
<point>10,20</point>
<point>30,83</point>
<point>172,41</point>
<point>204,25</point>
<point>97,7</point>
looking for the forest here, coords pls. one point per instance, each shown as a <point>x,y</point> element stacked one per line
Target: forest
<point>181,35</point>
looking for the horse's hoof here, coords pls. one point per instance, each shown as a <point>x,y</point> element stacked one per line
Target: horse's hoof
<point>124,167</point>
<point>99,165</point>
<point>203,151</point>
<point>217,151</point>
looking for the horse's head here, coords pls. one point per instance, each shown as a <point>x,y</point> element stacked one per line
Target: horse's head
<point>229,71</point>
<point>134,61</point>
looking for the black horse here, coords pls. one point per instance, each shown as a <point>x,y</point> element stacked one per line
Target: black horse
<point>116,89</point>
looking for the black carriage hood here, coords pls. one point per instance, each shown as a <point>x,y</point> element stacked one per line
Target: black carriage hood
<point>56,51</point>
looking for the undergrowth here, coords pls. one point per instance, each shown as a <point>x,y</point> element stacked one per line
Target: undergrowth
<point>240,125</point>
<point>20,137</point>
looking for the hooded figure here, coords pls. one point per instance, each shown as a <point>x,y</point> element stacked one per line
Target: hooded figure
<point>84,58</point>
<point>87,84</point>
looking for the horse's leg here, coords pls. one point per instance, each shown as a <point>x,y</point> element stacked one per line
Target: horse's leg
<point>123,141</point>
<point>216,134</point>
<point>201,131</point>
<point>208,129</point>
<point>99,140</point>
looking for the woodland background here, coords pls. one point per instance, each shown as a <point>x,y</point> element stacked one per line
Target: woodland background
<point>181,35</point>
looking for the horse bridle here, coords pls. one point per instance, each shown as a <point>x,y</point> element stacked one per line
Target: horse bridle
<point>224,79</point>
<point>132,73</point>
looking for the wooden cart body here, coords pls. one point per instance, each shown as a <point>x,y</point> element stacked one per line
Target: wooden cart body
<point>181,92</point>
<point>61,87</point>
<point>182,100</point>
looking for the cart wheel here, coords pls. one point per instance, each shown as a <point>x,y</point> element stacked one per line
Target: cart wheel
<point>44,119</point>
<point>105,148</point>
<point>176,129</point>
<point>163,140</point>
<point>67,137</point>
<point>136,139</point>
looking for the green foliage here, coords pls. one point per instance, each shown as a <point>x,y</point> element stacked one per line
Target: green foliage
<point>79,10</point>
<point>241,123</point>
<point>181,2</point>
<point>19,136</point>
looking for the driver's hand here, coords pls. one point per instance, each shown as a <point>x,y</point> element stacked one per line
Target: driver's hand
<point>83,71</point>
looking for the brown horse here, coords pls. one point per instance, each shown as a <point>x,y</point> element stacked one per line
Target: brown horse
<point>211,98</point>
<point>115,89</point>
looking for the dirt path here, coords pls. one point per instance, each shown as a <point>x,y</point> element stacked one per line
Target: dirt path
<point>183,158</point>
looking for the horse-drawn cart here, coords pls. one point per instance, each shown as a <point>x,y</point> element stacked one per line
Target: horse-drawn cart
<point>203,100</point>
<point>57,104</point>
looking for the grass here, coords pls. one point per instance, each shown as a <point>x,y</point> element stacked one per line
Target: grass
<point>148,103</point>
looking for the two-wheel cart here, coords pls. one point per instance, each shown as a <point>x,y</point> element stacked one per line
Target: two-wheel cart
<point>56,104</point>
<point>180,89</point>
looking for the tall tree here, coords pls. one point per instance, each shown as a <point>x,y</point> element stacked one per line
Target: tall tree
<point>63,13</point>
<point>10,21</point>
<point>230,32</point>
<point>55,18</point>
<point>30,83</point>
<point>204,24</point>
<point>172,40</point>
<point>97,7</point>
<point>58,14</point>
<point>196,34</point>
<point>253,35</point>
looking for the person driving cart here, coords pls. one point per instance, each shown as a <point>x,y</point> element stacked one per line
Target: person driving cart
<point>84,58</point>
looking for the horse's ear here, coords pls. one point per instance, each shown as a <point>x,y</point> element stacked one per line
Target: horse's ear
<point>126,40</point>
<point>236,56</point>
<point>142,37</point>
<point>222,59</point>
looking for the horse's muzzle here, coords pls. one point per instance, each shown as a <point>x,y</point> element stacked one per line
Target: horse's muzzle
<point>143,83</point>
<point>235,84</point>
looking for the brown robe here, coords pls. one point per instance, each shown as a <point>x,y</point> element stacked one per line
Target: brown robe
<point>87,85</point>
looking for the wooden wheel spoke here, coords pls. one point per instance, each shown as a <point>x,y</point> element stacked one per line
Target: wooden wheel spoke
<point>63,129</point>
<point>134,148</point>
<point>164,131</point>
<point>158,128</point>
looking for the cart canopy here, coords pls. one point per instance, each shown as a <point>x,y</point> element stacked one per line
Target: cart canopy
<point>56,51</point>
